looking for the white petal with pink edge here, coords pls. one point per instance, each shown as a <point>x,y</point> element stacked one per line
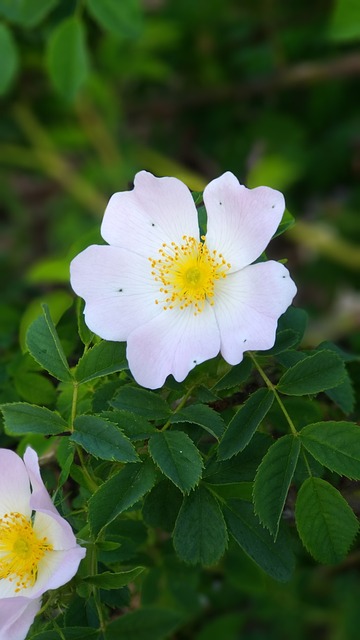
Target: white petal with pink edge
<point>172,343</point>
<point>14,484</point>
<point>118,288</point>
<point>247,307</point>
<point>157,210</point>
<point>57,568</point>
<point>17,616</point>
<point>241,221</point>
<point>39,497</point>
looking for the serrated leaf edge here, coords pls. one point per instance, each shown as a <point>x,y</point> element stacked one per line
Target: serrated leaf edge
<point>193,485</point>
<point>275,532</point>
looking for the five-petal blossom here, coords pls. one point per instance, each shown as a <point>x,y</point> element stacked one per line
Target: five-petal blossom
<point>38,549</point>
<point>176,297</point>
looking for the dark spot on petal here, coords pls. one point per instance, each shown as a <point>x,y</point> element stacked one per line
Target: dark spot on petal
<point>245,339</point>
<point>153,224</point>
<point>220,202</point>
<point>120,290</point>
<point>194,361</point>
<point>284,276</point>
<point>273,206</point>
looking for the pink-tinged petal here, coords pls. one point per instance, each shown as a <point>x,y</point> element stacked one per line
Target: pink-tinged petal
<point>248,304</point>
<point>55,569</point>
<point>241,221</point>
<point>14,484</point>
<point>118,288</point>
<point>48,522</point>
<point>172,343</point>
<point>157,210</point>
<point>40,498</point>
<point>16,617</point>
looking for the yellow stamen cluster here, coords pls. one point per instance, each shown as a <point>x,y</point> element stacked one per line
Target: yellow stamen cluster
<point>188,273</point>
<point>20,550</point>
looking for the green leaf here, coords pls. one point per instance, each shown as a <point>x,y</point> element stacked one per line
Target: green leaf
<point>119,493</point>
<point>122,18</point>
<point>203,416</point>
<point>70,633</point>
<point>45,347</point>
<point>285,339</point>
<point>10,9</point>
<point>244,423</point>
<point>295,319</point>
<point>103,439</point>
<point>345,21</point>
<point>9,59</point>
<point>200,535</point>
<point>290,358</point>
<point>22,418</point>
<point>161,506</point>
<point>313,374</point>
<point>346,356</point>
<point>34,388</point>
<point>273,479</point>
<point>326,524</point>
<point>242,490</point>
<point>101,360</point>
<point>236,376</point>
<point>32,12</point>
<point>109,580</point>
<point>141,402</point>
<point>274,557</point>
<point>86,336</point>
<point>58,302</point>
<point>146,623</point>
<point>287,221</point>
<point>135,427</point>
<point>343,395</point>
<point>177,457</point>
<point>240,468</point>
<point>67,57</point>
<point>336,445</point>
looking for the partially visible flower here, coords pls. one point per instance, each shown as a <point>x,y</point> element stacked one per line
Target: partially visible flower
<point>38,549</point>
<point>178,298</point>
<point>17,616</point>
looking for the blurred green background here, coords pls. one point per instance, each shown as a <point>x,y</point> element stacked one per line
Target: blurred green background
<point>95,90</point>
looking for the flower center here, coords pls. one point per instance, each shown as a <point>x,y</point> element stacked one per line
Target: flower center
<point>20,550</point>
<point>188,273</point>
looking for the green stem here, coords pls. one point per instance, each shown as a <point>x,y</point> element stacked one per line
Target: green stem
<point>45,606</point>
<point>306,462</point>
<point>91,482</point>
<point>94,571</point>
<point>181,404</point>
<point>74,405</point>
<point>272,388</point>
<point>58,630</point>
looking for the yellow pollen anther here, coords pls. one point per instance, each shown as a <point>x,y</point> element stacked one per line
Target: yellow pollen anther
<point>20,550</point>
<point>188,273</point>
